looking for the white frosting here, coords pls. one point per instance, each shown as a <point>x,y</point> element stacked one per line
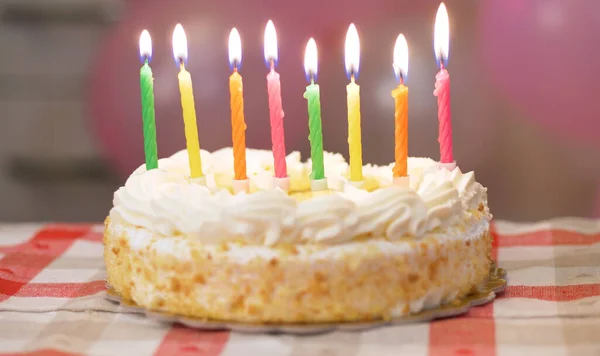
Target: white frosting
<point>187,209</point>
<point>259,167</point>
<point>442,201</point>
<point>335,169</point>
<point>140,239</point>
<point>164,201</point>
<point>327,219</point>
<point>392,212</point>
<point>263,217</point>
<point>179,163</point>
<point>132,202</point>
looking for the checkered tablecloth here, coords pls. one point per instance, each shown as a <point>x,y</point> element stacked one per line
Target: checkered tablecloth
<point>52,287</point>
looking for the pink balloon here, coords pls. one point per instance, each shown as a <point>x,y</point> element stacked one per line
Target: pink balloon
<point>544,56</point>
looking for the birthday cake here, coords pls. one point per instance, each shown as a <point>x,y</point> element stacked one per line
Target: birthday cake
<point>350,252</point>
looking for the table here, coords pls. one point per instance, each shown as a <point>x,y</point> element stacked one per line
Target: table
<point>52,303</point>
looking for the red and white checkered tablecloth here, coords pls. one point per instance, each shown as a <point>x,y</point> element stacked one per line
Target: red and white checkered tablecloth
<point>52,286</point>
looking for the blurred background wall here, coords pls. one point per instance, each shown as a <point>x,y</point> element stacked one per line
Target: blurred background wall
<point>524,84</point>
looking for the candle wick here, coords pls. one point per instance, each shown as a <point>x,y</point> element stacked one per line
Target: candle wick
<point>442,64</point>
<point>312,79</point>
<point>272,63</point>
<point>352,77</point>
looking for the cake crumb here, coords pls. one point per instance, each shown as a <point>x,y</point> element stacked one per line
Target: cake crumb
<point>413,277</point>
<point>175,285</point>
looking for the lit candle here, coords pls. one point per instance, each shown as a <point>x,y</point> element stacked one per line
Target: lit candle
<point>400,95</point>
<point>180,51</point>
<point>352,59</point>
<point>442,87</point>
<point>312,94</point>
<point>275,108</point>
<point>147,90</point>
<point>238,125</point>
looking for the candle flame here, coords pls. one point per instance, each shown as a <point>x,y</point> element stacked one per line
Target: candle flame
<point>235,49</point>
<point>352,53</point>
<point>270,44</point>
<point>145,46</point>
<point>441,39</point>
<point>180,48</point>
<point>401,58</point>
<point>311,61</point>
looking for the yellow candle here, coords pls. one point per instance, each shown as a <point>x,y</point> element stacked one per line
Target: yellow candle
<point>189,121</point>
<point>352,59</point>
<point>354,135</point>
<point>180,53</point>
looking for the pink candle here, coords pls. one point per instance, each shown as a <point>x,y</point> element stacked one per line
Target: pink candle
<point>275,108</point>
<point>442,91</point>
<point>441,45</point>
<point>276,116</point>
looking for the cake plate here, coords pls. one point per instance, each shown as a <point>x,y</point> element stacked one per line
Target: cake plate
<point>496,283</point>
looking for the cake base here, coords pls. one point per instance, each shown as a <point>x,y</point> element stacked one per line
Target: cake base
<point>358,281</point>
<point>495,284</point>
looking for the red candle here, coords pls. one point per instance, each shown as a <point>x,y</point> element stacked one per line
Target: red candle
<point>442,85</point>
<point>275,107</point>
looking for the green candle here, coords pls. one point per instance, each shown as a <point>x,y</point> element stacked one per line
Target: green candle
<point>316,131</point>
<point>312,94</point>
<point>148,115</point>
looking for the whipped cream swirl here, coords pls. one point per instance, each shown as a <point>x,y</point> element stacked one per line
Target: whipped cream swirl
<point>391,212</point>
<point>164,201</point>
<point>132,202</point>
<point>327,219</point>
<point>265,217</point>
<point>471,193</point>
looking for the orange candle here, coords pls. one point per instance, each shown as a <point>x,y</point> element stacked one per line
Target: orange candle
<point>238,125</point>
<point>400,95</point>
